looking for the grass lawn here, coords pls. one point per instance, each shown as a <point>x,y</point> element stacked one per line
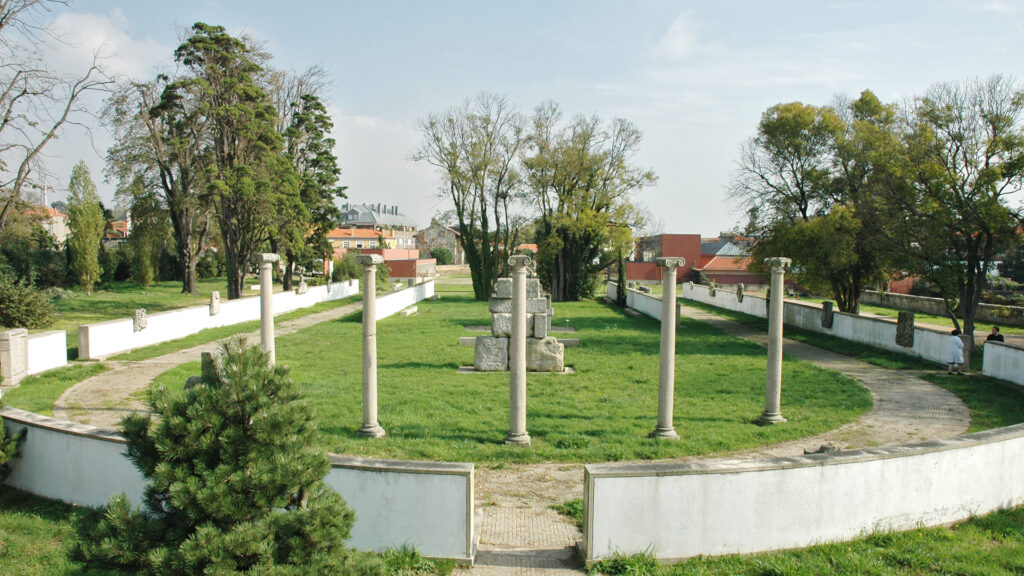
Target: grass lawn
<point>38,393</point>
<point>992,545</point>
<point>602,412</point>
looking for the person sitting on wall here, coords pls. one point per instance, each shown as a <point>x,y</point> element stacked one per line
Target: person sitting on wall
<point>955,353</point>
<point>995,336</point>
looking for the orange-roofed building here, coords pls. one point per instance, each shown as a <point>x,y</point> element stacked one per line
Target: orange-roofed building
<point>344,239</point>
<point>729,271</point>
<point>54,221</point>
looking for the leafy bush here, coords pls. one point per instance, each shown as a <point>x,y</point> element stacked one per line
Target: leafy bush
<point>347,268</point>
<point>235,483</point>
<point>8,449</point>
<point>115,264</point>
<point>22,305</point>
<point>442,255</point>
<point>212,264</point>
<point>383,274</point>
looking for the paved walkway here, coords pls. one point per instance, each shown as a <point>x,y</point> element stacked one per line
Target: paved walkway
<point>520,534</point>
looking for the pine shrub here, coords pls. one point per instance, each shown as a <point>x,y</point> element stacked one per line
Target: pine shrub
<point>235,483</point>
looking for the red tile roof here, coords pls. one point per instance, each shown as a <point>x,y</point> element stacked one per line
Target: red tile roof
<point>727,264</point>
<point>342,233</point>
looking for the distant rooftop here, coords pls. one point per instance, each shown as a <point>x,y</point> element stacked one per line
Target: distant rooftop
<point>375,215</point>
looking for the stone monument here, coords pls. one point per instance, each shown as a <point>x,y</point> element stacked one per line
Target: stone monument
<point>667,366</point>
<point>517,433</point>
<point>267,304</point>
<point>543,353</point>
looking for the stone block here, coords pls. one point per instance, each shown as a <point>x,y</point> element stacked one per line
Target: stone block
<point>467,340</point>
<point>536,305</point>
<point>409,311</point>
<point>630,284</point>
<point>13,355</point>
<point>541,325</point>
<point>501,325</point>
<point>533,289</point>
<point>544,355</point>
<point>503,288</point>
<point>490,354</point>
<point>500,305</point>
<point>905,329</point>
<point>140,320</point>
<point>302,288</point>
<point>214,303</point>
<point>644,289</point>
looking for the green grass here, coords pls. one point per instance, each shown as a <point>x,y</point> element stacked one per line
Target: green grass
<point>39,393</point>
<point>602,412</point>
<point>572,509</point>
<point>993,403</point>
<point>36,535</point>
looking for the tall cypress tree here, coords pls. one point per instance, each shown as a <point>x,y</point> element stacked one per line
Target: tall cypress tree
<point>235,483</point>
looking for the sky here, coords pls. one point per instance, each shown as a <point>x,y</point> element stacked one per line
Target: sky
<point>694,77</point>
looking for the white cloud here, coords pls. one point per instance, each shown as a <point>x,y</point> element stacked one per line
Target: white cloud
<point>999,7</point>
<point>679,40</point>
<point>109,37</point>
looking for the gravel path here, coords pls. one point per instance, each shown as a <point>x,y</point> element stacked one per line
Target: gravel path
<point>520,534</point>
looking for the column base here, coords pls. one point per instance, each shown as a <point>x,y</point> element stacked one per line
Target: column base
<point>518,439</point>
<point>374,431</point>
<point>664,433</point>
<point>769,418</point>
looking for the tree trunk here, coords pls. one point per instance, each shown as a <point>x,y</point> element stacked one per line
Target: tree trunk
<point>286,281</point>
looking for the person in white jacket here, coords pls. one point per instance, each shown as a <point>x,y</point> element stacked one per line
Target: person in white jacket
<point>955,353</point>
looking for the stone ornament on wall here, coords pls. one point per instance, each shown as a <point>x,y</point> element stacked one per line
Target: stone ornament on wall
<point>905,329</point>
<point>214,303</point>
<point>739,292</point>
<point>827,314</point>
<point>139,320</point>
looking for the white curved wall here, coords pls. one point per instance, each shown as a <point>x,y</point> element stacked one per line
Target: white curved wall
<point>724,507</point>
<point>427,505</point>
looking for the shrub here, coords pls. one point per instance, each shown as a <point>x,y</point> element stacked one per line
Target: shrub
<point>383,274</point>
<point>442,255</point>
<point>235,482</point>
<point>211,264</point>
<point>115,264</point>
<point>347,268</point>
<point>22,305</point>
<point>8,449</point>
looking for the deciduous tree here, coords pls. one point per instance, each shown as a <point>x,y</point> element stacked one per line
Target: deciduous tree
<point>475,148</point>
<point>85,219</point>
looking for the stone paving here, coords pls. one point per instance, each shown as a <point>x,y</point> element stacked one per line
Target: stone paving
<point>519,533</point>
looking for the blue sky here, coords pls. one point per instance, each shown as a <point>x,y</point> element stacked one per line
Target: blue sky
<point>693,76</point>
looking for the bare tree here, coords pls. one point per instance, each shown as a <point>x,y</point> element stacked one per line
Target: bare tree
<point>475,148</point>
<point>35,102</point>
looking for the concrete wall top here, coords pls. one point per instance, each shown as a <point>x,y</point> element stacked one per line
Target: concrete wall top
<point>407,466</point>
<point>73,428</point>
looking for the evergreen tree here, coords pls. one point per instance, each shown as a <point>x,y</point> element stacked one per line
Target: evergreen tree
<point>85,218</point>
<point>235,482</point>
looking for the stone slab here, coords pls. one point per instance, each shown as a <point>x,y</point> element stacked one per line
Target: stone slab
<point>541,325</point>
<point>467,341</point>
<point>569,342</point>
<point>499,305</point>
<point>409,311</point>
<point>534,305</point>
<point>501,325</point>
<point>533,288</point>
<point>490,354</point>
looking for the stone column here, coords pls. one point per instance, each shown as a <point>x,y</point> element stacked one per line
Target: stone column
<point>267,304</point>
<point>370,426</point>
<point>773,381</point>
<point>517,354</point>
<point>667,363</point>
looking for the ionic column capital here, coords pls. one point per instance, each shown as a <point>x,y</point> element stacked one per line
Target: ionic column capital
<point>368,260</point>
<point>520,262</point>
<point>670,263</point>
<point>778,264</point>
<point>268,258</point>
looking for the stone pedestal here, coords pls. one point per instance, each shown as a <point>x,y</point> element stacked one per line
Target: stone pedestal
<point>214,303</point>
<point>517,354</point>
<point>13,356</point>
<point>773,381</point>
<point>267,304</point>
<point>667,363</point>
<point>370,426</point>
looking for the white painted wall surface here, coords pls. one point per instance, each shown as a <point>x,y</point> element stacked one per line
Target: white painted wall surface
<point>428,505</point>
<point>71,462</point>
<point>1004,361</point>
<point>115,336</point>
<point>47,350</point>
<point>423,504</point>
<point>395,302</point>
<point>724,507</point>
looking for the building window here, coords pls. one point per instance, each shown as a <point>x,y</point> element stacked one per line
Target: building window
<point>373,243</point>
<point>359,244</point>
<point>346,244</point>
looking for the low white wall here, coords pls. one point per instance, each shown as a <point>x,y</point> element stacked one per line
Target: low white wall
<point>47,350</point>
<point>114,336</point>
<point>395,302</point>
<point>642,302</point>
<point>680,510</point>
<point>1004,361</point>
<point>428,505</point>
<point>878,332</point>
